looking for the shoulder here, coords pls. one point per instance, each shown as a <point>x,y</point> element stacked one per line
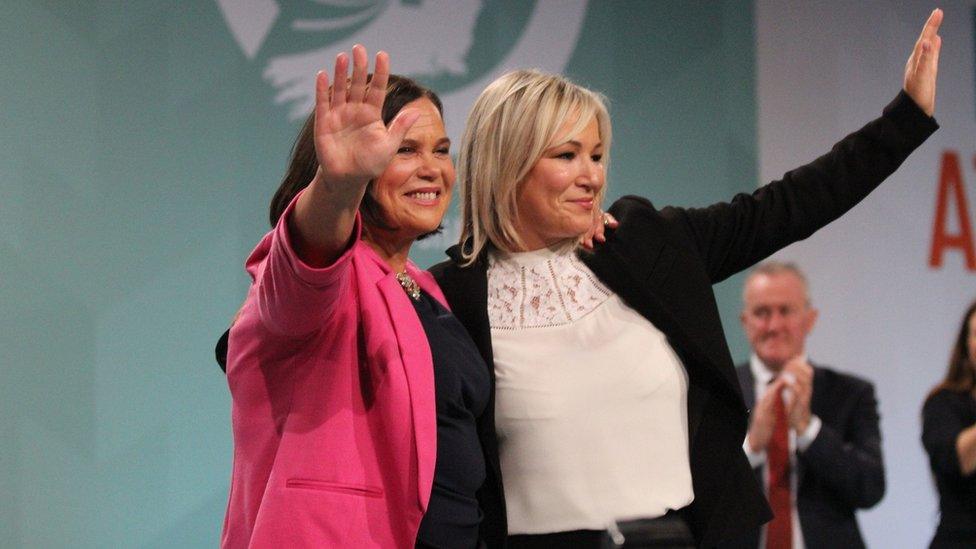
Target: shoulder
<point>461,283</point>
<point>451,271</point>
<point>835,380</point>
<point>943,399</point>
<point>442,269</point>
<point>633,205</point>
<point>638,216</point>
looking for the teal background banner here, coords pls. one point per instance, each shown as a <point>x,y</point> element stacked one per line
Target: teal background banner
<point>140,145</point>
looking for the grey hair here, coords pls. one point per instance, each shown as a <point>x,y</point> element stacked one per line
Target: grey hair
<point>774,268</point>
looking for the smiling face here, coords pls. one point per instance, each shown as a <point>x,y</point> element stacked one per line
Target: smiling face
<point>556,200</point>
<point>415,189</point>
<point>776,317</point>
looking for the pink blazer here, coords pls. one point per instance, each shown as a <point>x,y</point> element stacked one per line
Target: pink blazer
<point>333,403</point>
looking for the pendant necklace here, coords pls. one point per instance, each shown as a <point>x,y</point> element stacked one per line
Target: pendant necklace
<point>409,285</point>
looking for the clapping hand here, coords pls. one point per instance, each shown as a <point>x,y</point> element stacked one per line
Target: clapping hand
<point>799,375</point>
<point>794,385</point>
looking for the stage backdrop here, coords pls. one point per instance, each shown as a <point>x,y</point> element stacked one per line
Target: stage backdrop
<point>142,141</point>
<point>140,145</point>
<point>890,279</point>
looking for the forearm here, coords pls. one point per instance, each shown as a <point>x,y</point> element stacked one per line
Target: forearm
<point>733,236</point>
<point>966,449</point>
<point>294,296</point>
<point>323,219</point>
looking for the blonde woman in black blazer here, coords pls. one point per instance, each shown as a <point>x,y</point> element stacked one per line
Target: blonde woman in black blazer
<point>662,262</point>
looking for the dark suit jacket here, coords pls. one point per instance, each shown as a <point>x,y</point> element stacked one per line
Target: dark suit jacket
<point>663,263</point>
<point>945,415</point>
<point>842,469</point>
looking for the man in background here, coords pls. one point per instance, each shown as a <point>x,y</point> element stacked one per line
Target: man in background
<point>813,437</point>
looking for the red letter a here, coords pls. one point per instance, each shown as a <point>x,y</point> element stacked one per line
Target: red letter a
<point>950,181</point>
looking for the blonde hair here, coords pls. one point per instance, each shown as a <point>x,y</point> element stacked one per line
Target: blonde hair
<point>513,122</point>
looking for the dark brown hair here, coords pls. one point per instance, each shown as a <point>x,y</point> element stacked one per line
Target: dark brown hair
<point>400,90</point>
<point>961,376</point>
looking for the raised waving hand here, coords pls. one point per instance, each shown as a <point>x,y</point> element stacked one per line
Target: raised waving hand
<point>352,146</point>
<point>922,68</point>
<point>351,142</point>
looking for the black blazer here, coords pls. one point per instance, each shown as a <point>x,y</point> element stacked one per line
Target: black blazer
<point>842,469</point>
<point>663,263</point>
<point>945,414</point>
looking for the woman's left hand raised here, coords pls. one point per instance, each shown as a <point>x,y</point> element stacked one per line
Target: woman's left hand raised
<point>922,68</point>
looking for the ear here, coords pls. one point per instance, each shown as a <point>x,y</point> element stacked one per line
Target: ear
<point>811,319</point>
<point>742,318</point>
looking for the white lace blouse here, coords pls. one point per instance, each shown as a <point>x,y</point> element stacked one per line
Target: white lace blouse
<point>591,400</point>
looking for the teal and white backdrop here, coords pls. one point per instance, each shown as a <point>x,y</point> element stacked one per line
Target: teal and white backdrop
<point>140,143</point>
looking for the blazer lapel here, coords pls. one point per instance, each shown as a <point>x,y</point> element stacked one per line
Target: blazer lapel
<point>467,289</point>
<point>418,369</point>
<point>415,356</point>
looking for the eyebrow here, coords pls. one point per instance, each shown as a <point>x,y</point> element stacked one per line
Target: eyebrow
<point>412,141</point>
<point>576,143</point>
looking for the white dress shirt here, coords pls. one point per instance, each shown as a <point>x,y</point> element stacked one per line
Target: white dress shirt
<point>799,442</point>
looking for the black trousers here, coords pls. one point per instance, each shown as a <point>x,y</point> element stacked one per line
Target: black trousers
<point>667,532</point>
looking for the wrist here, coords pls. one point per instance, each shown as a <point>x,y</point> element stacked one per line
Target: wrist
<point>339,182</point>
<point>806,437</point>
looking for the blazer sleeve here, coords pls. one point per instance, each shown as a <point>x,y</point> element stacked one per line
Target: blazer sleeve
<point>735,235</point>
<point>850,462</point>
<point>942,421</point>
<point>292,298</point>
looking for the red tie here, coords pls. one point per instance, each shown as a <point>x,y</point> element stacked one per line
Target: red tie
<point>779,531</point>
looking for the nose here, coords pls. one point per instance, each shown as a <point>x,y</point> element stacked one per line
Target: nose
<point>591,175</point>
<point>428,170</point>
<point>776,320</point>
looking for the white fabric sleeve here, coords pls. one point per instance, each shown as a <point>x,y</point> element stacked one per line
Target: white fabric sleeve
<point>755,458</point>
<point>806,438</point>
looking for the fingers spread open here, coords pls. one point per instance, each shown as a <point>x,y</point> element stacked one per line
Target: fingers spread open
<point>360,68</point>
<point>381,76</point>
<point>321,100</point>
<point>339,81</point>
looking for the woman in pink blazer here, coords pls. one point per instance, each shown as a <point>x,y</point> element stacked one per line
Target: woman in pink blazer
<point>355,391</point>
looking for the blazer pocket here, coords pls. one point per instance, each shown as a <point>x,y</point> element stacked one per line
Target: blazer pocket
<point>337,487</point>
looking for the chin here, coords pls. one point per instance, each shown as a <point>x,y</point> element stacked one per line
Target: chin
<point>421,229</point>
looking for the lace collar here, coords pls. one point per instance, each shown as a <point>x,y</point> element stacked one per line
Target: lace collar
<point>541,288</point>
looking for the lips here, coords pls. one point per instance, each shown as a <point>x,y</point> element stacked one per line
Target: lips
<point>426,196</point>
